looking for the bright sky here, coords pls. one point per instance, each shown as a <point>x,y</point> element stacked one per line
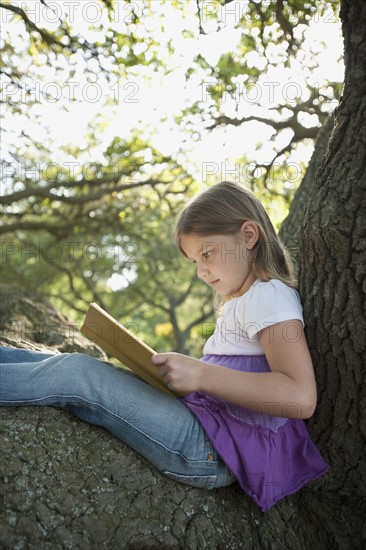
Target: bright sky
<point>149,96</point>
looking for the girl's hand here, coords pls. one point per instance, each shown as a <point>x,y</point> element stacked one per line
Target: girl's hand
<point>179,372</point>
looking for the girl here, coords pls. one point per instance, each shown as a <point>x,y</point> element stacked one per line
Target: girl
<point>242,416</point>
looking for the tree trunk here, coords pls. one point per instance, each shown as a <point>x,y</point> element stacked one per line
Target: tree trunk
<point>151,512</point>
<point>291,227</point>
<point>333,288</point>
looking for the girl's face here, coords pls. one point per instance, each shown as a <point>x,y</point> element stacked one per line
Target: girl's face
<point>223,262</point>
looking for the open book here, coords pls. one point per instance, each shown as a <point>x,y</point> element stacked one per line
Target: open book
<point>121,343</point>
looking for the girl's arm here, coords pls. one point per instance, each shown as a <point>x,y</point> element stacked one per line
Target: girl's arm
<point>289,390</point>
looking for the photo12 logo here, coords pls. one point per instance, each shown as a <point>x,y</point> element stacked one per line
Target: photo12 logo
<point>235,11</point>
<point>70,92</point>
<point>89,11</point>
<point>69,252</point>
<point>290,172</point>
<point>68,171</point>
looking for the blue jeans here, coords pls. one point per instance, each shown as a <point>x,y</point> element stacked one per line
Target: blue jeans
<point>156,425</point>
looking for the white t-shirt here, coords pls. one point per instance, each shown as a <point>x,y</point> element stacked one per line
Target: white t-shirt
<point>264,304</point>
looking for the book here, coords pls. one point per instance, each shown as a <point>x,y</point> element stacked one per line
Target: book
<point>119,342</point>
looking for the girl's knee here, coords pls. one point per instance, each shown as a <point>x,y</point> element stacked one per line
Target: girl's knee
<point>77,362</point>
<point>80,358</point>
<point>78,373</point>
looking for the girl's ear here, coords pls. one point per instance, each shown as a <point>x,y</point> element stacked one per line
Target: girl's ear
<point>250,232</point>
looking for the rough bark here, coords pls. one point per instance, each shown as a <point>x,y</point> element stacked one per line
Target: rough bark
<point>333,284</point>
<point>66,484</point>
<point>291,228</point>
<point>29,321</point>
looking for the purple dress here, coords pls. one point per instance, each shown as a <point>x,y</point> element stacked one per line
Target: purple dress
<point>270,456</point>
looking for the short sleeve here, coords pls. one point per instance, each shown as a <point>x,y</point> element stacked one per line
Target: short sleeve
<point>268,303</point>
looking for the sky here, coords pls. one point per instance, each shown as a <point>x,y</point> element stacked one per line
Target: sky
<point>149,100</point>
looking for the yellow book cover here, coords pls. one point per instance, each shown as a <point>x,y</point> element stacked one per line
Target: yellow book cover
<point>119,342</point>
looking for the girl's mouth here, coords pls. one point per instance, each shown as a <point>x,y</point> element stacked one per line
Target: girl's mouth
<point>214,283</point>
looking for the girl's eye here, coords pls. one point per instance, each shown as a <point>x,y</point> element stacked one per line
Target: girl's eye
<point>206,255</point>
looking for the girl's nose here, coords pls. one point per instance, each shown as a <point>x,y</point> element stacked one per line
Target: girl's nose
<point>202,271</point>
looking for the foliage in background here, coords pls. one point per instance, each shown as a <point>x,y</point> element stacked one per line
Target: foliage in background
<point>91,221</point>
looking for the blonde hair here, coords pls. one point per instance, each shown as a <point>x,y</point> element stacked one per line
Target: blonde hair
<point>221,210</point>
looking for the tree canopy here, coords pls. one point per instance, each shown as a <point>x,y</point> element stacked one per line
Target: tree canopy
<point>107,104</point>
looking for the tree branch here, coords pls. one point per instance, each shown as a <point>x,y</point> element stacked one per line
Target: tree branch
<point>148,300</point>
<point>200,27</point>
<point>70,276</point>
<point>57,230</point>
<point>96,296</point>
<point>45,192</point>
<point>301,132</point>
<point>284,24</point>
<point>196,322</point>
<point>291,122</point>
<point>50,39</point>
<point>30,26</point>
<point>223,119</point>
<point>70,304</point>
